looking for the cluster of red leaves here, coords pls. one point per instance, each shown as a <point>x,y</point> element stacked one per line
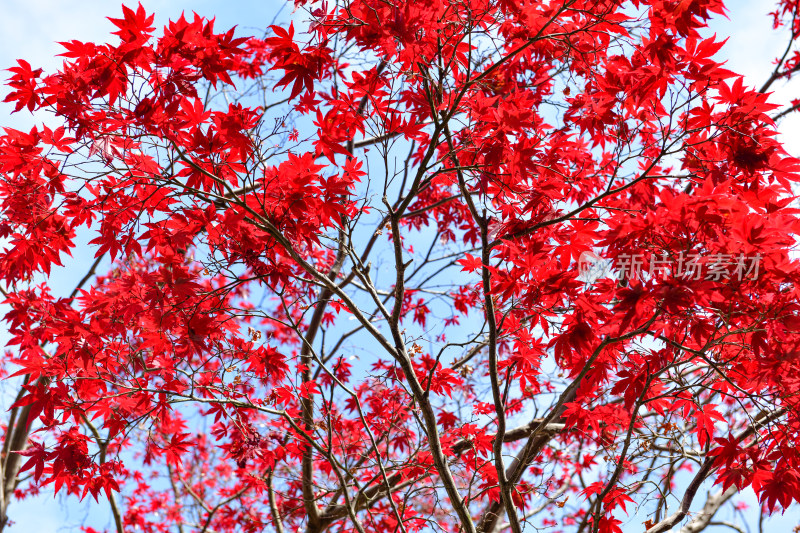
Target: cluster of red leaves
<point>658,152</point>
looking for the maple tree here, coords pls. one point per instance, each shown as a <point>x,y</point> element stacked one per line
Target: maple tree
<point>335,280</point>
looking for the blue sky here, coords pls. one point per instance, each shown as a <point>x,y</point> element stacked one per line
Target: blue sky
<point>30,29</point>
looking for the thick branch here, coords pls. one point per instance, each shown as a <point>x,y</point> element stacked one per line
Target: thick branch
<point>713,503</point>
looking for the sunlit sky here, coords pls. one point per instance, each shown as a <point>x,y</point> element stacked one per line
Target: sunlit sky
<point>30,29</point>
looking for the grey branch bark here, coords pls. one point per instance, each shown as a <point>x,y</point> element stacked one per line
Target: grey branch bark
<point>703,519</point>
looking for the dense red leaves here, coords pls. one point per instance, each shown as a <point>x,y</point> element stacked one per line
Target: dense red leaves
<point>278,324</point>
<point>69,466</point>
<point>301,68</point>
<point>24,83</point>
